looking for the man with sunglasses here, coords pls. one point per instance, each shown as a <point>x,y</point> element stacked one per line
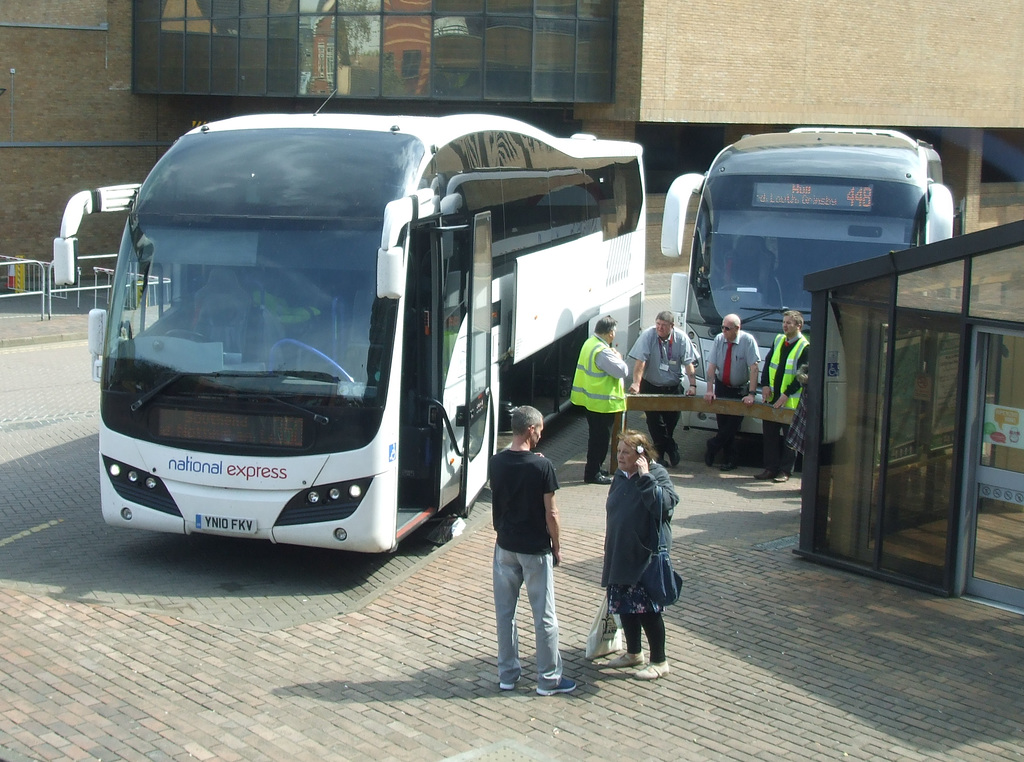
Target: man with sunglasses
<point>732,374</point>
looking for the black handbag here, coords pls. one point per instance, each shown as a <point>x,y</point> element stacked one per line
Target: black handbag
<point>661,582</point>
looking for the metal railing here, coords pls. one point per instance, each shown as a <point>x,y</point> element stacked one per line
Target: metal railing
<point>88,279</point>
<point>23,278</point>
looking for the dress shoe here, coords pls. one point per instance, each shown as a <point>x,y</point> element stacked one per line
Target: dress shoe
<point>673,455</point>
<point>765,475</point>
<point>728,466</point>
<point>781,478</point>
<point>709,453</point>
<point>599,479</point>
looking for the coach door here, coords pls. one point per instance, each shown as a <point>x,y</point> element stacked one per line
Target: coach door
<point>474,416</point>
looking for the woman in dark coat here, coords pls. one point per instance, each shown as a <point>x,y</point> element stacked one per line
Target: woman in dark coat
<point>641,497</point>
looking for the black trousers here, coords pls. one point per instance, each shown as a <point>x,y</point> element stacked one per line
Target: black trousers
<point>728,425</point>
<point>599,436</point>
<point>653,626</point>
<point>661,423</point>
<point>778,456</point>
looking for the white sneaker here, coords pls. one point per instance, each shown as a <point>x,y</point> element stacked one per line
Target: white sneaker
<point>653,671</point>
<point>627,660</point>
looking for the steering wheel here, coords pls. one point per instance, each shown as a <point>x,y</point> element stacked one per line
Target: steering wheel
<point>312,350</point>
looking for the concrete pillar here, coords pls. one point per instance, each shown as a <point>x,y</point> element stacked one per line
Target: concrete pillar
<point>961,154</point>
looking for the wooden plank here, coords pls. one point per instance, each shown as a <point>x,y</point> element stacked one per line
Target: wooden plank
<point>696,405</point>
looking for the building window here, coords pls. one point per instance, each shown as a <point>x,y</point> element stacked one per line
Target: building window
<point>558,51</point>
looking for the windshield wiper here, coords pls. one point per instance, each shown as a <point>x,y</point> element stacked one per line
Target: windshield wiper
<point>173,378</point>
<point>308,375</point>
<point>763,313</point>
<point>320,418</point>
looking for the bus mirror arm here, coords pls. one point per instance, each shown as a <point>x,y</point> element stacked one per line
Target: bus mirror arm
<point>674,221</point>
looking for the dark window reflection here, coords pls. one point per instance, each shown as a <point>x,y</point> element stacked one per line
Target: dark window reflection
<point>458,47</point>
<point>197,56</point>
<point>507,68</point>
<point>551,50</point>
<point>282,56</point>
<point>594,56</point>
<point>146,47</point>
<point>554,63</point>
<point>253,57</point>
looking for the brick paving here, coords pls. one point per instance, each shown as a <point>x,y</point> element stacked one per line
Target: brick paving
<point>772,657</point>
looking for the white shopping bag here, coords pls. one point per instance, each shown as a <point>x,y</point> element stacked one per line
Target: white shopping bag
<point>605,633</point>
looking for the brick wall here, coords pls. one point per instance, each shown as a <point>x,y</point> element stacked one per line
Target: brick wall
<point>867,63</point>
<point>54,12</point>
<point>74,121</point>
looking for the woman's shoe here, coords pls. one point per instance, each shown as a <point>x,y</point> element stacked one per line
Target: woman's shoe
<point>627,660</point>
<point>653,671</point>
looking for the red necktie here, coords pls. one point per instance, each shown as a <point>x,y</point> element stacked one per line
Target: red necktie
<point>727,367</point>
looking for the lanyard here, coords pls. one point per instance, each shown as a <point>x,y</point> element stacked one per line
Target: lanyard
<point>661,347</point>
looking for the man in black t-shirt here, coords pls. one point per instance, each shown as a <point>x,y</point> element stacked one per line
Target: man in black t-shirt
<point>527,549</point>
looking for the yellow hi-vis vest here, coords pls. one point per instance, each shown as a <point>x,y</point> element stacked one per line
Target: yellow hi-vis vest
<point>789,371</point>
<point>592,388</point>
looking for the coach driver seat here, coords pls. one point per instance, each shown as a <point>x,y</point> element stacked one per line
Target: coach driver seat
<point>222,306</point>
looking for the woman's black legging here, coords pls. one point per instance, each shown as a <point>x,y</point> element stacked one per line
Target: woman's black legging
<point>654,628</point>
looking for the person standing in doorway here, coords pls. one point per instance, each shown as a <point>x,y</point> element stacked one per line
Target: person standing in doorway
<point>781,388</point>
<point>597,387</point>
<point>662,355</point>
<point>732,366</point>
<point>526,550</point>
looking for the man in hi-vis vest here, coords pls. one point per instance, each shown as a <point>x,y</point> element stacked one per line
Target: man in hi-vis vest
<point>597,386</point>
<point>781,388</point>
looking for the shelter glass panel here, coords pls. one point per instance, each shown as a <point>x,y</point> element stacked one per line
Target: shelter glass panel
<point>920,468</point>
<point>999,530</point>
<point>852,407</point>
<point>938,289</point>
<point>997,284</point>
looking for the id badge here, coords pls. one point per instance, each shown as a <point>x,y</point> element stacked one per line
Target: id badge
<point>664,367</point>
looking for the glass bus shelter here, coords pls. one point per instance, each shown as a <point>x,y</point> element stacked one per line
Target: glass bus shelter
<point>914,456</point>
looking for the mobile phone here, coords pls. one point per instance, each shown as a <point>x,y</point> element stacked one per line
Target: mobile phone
<point>639,449</point>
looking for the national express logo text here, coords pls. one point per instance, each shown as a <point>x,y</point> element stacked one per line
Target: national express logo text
<point>191,465</point>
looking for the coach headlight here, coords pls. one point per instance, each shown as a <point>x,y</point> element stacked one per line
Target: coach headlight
<point>313,497</point>
<point>355,491</point>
